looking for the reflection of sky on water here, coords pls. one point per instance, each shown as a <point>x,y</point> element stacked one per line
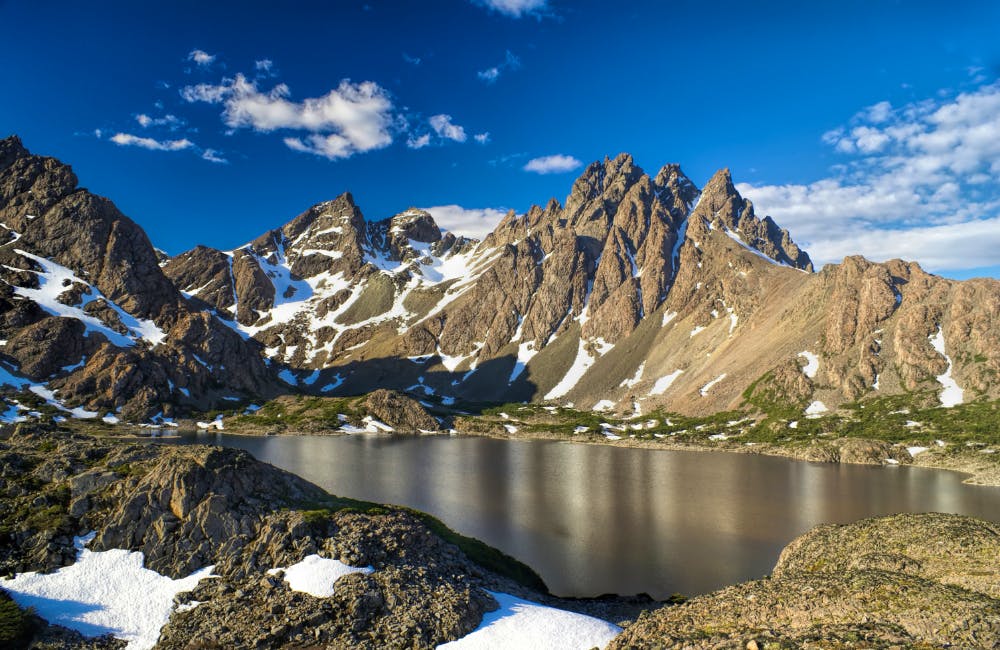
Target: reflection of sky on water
<point>595,519</point>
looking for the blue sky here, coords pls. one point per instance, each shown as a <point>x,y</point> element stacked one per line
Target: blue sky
<point>869,127</point>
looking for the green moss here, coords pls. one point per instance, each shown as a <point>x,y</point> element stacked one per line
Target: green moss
<point>376,299</point>
<point>484,555</point>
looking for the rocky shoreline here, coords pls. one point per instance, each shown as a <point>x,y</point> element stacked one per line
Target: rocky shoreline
<point>982,469</point>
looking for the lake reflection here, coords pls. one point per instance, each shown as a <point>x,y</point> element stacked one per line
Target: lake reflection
<point>595,519</point>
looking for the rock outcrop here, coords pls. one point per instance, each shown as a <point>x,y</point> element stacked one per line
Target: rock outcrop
<point>925,580</point>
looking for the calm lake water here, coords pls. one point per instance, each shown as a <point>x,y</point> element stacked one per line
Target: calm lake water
<point>595,519</point>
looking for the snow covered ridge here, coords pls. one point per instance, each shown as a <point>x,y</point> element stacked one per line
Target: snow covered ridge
<point>106,592</point>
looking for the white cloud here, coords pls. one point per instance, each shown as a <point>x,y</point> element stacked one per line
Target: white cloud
<point>129,140</point>
<point>920,183</point>
<point>515,8</point>
<point>471,222</point>
<point>352,118</point>
<point>555,164</point>
<point>443,126</point>
<point>201,57</point>
<point>482,138</point>
<point>207,93</point>
<point>418,142</point>
<point>264,65</point>
<point>211,155</point>
<point>146,121</point>
<point>490,75</point>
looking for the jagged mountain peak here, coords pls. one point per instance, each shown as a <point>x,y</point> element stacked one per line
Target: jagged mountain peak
<point>721,207</point>
<point>91,318</point>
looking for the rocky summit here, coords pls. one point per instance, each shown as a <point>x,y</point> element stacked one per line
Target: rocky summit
<point>637,292</point>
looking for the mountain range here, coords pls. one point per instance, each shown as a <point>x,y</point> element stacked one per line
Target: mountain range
<point>637,292</point>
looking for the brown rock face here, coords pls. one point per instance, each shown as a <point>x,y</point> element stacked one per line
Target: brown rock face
<point>116,362</point>
<point>632,280</point>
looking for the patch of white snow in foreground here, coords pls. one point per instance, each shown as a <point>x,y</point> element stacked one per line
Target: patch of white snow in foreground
<point>107,592</point>
<point>524,624</point>
<point>316,575</point>
<point>916,450</point>
<point>812,364</point>
<point>663,383</point>
<point>951,393</point>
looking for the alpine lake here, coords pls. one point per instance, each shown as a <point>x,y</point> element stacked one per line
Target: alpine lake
<point>596,519</point>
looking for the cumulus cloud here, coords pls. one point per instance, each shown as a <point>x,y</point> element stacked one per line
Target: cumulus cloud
<point>352,118</point>
<point>490,75</point>
<point>201,58</point>
<point>919,182</point>
<point>471,222</point>
<point>482,138</point>
<point>515,8</point>
<point>555,164</point>
<point>129,140</point>
<point>444,127</point>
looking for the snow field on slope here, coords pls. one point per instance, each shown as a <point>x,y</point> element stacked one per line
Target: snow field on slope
<point>663,383</point>
<point>106,592</point>
<point>54,279</point>
<point>951,393</point>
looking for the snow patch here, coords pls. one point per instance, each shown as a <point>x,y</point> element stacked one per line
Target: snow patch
<point>951,393</point>
<point>812,364</point>
<point>107,592</point>
<point>603,405</point>
<point>317,575</point>
<point>523,624</point>
<point>581,364</point>
<point>815,409</point>
<point>707,387</point>
<point>663,383</point>
<point>632,381</point>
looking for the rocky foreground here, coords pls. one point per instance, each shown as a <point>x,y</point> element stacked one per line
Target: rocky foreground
<point>902,581</point>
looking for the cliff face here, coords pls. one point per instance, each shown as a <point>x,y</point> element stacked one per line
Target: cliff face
<point>636,292</point>
<point>86,311</point>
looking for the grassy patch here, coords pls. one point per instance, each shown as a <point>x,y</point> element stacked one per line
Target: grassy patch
<point>16,625</point>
